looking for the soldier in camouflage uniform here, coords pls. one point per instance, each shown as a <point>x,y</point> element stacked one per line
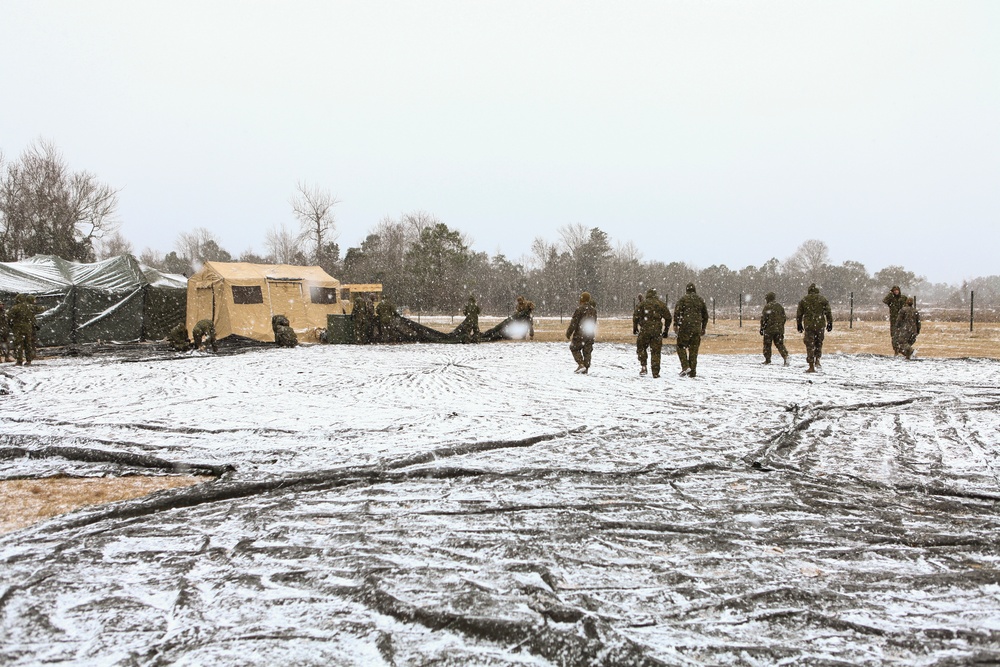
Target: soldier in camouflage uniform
<point>523,310</point>
<point>812,316</point>
<point>178,338</point>
<point>581,332</point>
<point>772,327</point>
<point>895,300</point>
<point>690,322</point>
<point>385,313</point>
<point>204,333</point>
<point>650,323</point>
<point>359,316</point>
<point>284,335</point>
<point>907,328</point>
<point>5,343</point>
<point>22,325</point>
<point>470,333</point>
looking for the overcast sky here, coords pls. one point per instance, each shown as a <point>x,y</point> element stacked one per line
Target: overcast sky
<point>705,132</point>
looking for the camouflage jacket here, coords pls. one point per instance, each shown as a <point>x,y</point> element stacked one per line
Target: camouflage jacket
<point>814,312</point>
<point>772,319</point>
<point>578,327</point>
<point>22,318</point>
<point>690,315</point>
<point>651,316</point>
<point>908,321</point>
<point>895,303</point>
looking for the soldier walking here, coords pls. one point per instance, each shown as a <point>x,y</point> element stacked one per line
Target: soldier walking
<point>907,328</point>
<point>690,322</point>
<point>812,314</point>
<point>581,332</point>
<point>650,323</point>
<point>772,327</point>
<point>895,300</point>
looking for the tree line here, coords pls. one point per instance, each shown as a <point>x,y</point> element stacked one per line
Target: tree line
<point>426,266</point>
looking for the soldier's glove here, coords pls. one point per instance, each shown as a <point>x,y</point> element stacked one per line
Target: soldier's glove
<point>666,334</point>
<point>702,332</point>
<point>800,328</point>
<point>762,331</point>
<point>829,326</point>
<point>635,332</point>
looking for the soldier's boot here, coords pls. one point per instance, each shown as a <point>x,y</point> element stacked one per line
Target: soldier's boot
<point>642,371</point>
<point>785,358</point>
<point>580,367</point>
<point>766,361</point>
<point>18,363</point>
<point>656,374</point>
<point>811,369</point>
<point>684,371</point>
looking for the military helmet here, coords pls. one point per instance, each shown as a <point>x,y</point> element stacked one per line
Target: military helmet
<point>690,288</point>
<point>585,297</point>
<point>650,293</point>
<point>813,289</point>
<point>909,301</point>
<point>769,297</point>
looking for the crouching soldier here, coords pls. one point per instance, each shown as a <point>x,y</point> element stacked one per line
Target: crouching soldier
<point>907,328</point>
<point>284,335</point>
<point>177,338</point>
<point>204,334</point>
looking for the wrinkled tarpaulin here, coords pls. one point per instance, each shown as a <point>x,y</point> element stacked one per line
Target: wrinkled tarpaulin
<point>114,300</point>
<point>405,330</point>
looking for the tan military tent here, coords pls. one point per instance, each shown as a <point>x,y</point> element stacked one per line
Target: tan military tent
<point>240,298</point>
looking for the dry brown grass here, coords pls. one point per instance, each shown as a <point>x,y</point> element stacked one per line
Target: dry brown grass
<point>25,501</point>
<point>937,339</point>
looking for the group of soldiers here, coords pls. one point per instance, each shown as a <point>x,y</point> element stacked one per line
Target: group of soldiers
<point>651,324</point>
<point>203,335</point>
<point>17,330</point>
<point>371,321</point>
<point>904,322</point>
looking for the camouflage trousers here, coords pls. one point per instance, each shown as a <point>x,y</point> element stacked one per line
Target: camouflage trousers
<point>581,348</point>
<point>687,352</point>
<point>905,341</point>
<point>813,338</point>
<point>653,340</point>
<point>24,347</point>
<point>779,342</point>
<point>894,337</point>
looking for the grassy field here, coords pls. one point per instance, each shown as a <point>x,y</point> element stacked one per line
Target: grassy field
<point>947,340</point>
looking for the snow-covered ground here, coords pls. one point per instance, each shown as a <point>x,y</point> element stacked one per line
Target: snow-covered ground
<point>425,504</point>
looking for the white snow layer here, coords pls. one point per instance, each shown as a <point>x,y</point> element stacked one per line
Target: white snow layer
<point>483,504</point>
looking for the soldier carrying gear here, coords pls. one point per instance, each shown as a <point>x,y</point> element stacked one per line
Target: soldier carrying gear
<point>690,322</point>
<point>284,335</point>
<point>895,300</point>
<point>204,332</point>
<point>772,327</point>
<point>907,328</point>
<point>582,331</point>
<point>813,312</point>
<point>651,324</point>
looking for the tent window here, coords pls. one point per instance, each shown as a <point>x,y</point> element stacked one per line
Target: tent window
<point>323,294</point>
<point>247,294</point>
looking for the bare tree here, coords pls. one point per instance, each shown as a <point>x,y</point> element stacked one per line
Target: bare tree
<point>284,246</point>
<point>113,246</point>
<point>200,246</point>
<point>809,259</point>
<point>313,208</point>
<point>150,257</point>
<point>574,236</point>
<point>47,209</point>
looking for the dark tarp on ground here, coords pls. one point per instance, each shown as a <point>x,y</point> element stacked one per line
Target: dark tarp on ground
<point>405,330</point>
<point>113,300</point>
